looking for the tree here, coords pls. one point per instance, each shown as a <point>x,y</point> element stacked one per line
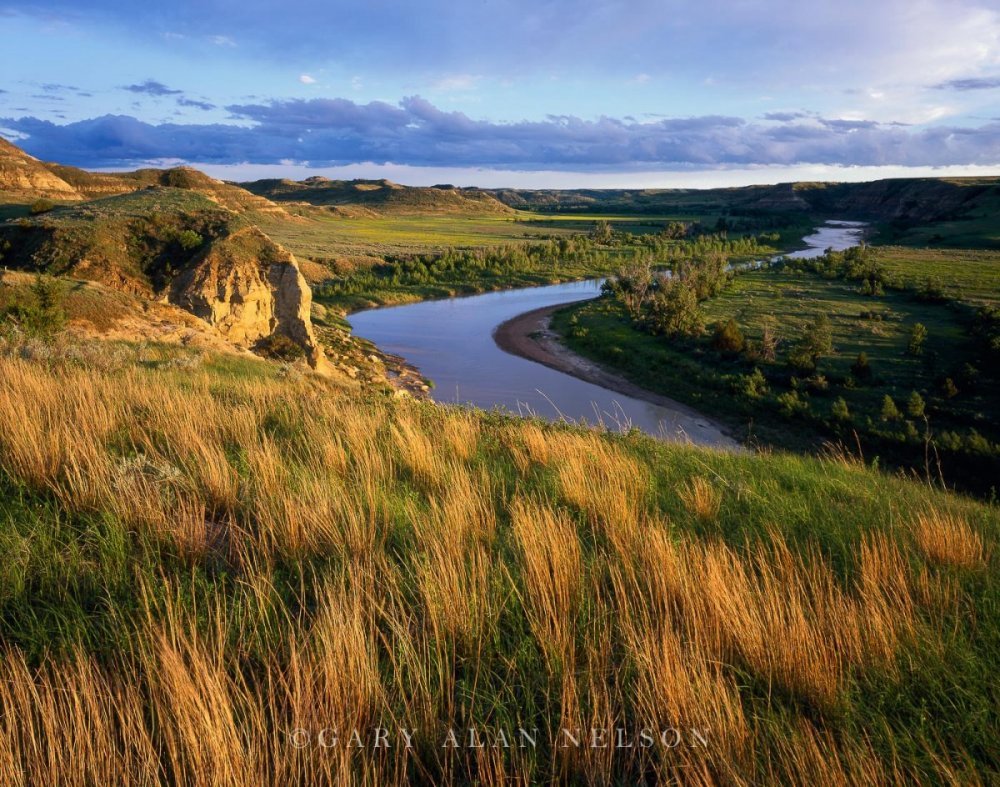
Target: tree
<point>44,316</point>
<point>915,405</point>
<point>673,309</point>
<point>602,232</point>
<point>840,410</point>
<point>189,239</point>
<point>728,337</point>
<point>816,341</point>
<point>861,368</point>
<point>632,284</point>
<point>889,410</point>
<point>675,230</point>
<point>948,388</point>
<point>918,335</point>
<point>769,340</point>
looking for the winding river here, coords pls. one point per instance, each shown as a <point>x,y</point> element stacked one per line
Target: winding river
<point>451,342</point>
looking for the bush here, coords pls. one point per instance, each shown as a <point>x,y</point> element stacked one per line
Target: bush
<point>189,240</point>
<point>280,347</point>
<point>791,404</point>
<point>41,206</point>
<point>42,316</point>
<point>915,405</point>
<point>728,337</point>
<point>918,335</point>
<point>861,369</point>
<point>889,410</point>
<point>752,386</point>
<point>840,410</point>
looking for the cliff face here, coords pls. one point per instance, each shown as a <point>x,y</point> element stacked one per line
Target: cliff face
<point>908,199</point>
<point>22,175</point>
<point>179,247</point>
<point>249,288</point>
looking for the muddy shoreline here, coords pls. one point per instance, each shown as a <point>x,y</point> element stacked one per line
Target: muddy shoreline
<point>529,336</point>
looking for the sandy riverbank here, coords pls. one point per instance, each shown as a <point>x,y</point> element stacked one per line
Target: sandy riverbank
<point>528,335</point>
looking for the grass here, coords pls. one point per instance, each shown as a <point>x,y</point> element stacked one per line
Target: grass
<point>964,274</point>
<point>201,562</point>
<point>331,237</point>
<point>694,373</point>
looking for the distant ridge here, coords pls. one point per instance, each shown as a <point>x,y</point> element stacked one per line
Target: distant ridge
<point>23,177</point>
<point>381,196</point>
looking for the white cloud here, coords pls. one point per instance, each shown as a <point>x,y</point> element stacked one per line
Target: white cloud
<point>305,79</point>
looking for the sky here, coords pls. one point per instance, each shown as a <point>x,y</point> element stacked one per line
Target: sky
<point>546,93</point>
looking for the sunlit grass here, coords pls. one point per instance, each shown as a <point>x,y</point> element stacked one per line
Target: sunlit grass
<point>198,564</point>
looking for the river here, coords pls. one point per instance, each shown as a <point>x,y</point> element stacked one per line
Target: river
<point>451,342</point>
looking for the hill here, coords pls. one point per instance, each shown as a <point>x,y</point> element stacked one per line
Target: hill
<point>202,563</point>
<point>178,245</point>
<point>380,196</point>
<point>23,177</point>
<point>881,200</point>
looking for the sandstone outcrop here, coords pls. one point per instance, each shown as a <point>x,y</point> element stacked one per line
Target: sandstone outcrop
<point>25,176</point>
<point>249,288</point>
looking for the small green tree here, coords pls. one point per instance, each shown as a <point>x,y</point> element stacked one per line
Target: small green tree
<point>918,335</point>
<point>42,316</point>
<point>673,310</point>
<point>728,337</point>
<point>189,240</point>
<point>840,410</point>
<point>915,405</point>
<point>602,232</point>
<point>861,368</point>
<point>816,341</point>
<point>949,389</point>
<point>889,410</point>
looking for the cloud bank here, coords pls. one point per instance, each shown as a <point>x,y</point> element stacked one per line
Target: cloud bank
<point>337,131</point>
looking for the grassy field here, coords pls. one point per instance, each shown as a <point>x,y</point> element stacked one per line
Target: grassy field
<point>320,235</point>
<point>967,275</point>
<point>206,567</point>
<point>693,372</point>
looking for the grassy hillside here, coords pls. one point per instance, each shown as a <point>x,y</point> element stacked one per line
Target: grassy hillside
<point>955,212</point>
<point>208,567</point>
<point>381,196</point>
<point>133,241</point>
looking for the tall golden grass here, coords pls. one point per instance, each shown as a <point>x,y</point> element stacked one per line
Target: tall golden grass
<point>416,567</point>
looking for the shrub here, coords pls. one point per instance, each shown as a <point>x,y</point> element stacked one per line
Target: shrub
<point>889,410</point>
<point>728,337</point>
<point>948,388</point>
<point>918,335</point>
<point>43,315</point>
<point>791,404</point>
<point>915,405</point>
<point>280,347</point>
<point>41,206</point>
<point>861,369</point>
<point>840,410</point>
<point>189,239</point>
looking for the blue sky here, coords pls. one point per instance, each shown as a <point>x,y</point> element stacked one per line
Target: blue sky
<point>507,92</point>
